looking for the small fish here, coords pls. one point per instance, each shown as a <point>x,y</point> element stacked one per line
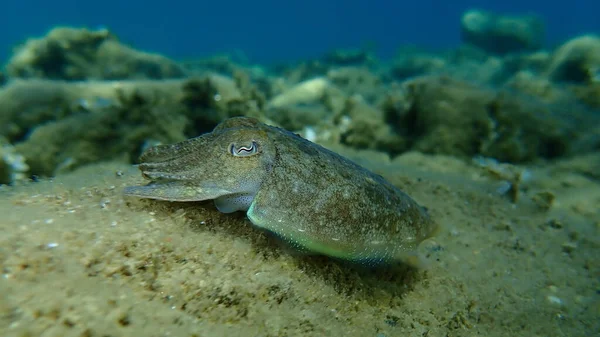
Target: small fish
<point>311,197</point>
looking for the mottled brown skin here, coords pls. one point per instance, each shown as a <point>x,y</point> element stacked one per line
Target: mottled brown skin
<point>306,194</point>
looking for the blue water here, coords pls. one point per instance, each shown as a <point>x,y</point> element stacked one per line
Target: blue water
<point>269,30</point>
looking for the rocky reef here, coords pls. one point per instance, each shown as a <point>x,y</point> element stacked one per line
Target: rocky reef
<point>76,96</point>
<point>67,53</point>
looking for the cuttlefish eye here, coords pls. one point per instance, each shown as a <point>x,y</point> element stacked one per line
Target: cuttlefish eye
<point>243,150</point>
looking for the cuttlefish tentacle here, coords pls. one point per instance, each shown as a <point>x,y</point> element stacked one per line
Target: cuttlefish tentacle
<point>304,193</point>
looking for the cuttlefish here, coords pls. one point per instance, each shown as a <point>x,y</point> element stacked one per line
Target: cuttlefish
<point>313,198</point>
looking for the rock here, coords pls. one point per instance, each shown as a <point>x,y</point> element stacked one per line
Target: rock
<point>12,164</point>
<point>211,99</point>
<point>588,94</point>
<point>529,83</point>
<point>431,110</point>
<point>220,64</point>
<point>58,126</point>
<point>137,118</point>
<point>304,71</point>
<point>363,126</point>
<point>27,104</point>
<point>297,117</point>
<point>578,61</point>
<point>305,92</point>
<point>534,63</point>
<point>444,116</point>
<point>577,96</point>
<point>502,34</point>
<point>79,54</point>
<point>411,62</point>
<point>301,105</point>
<point>356,81</point>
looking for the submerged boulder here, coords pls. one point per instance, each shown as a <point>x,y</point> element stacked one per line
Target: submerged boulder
<point>445,116</point>
<point>577,61</point>
<point>78,54</point>
<point>57,126</point>
<point>12,163</point>
<point>499,34</point>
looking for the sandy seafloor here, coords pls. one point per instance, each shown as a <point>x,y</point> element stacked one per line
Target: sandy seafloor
<point>80,260</point>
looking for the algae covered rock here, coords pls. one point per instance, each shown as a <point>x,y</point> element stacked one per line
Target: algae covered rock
<point>499,34</point>
<point>444,116</point>
<point>300,105</point>
<point>28,104</point>
<point>578,61</point>
<point>119,132</point>
<point>588,94</point>
<point>58,126</point>
<point>12,163</point>
<point>78,96</point>
<point>440,115</point>
<point>357,81</point>
<point>411,62</point>
<point>209,100</point>
<point>526,130</point>
<point>78,54</point>
<point>363,126</point>
<point>305,92</point>
<point>25,104</point>
<point>540,87</point>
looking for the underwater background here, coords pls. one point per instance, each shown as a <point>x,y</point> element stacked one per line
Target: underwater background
<point>266,31</point>
<point>480,118</point>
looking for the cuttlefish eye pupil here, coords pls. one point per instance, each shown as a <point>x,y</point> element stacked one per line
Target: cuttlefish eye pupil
<point>243,150</point>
